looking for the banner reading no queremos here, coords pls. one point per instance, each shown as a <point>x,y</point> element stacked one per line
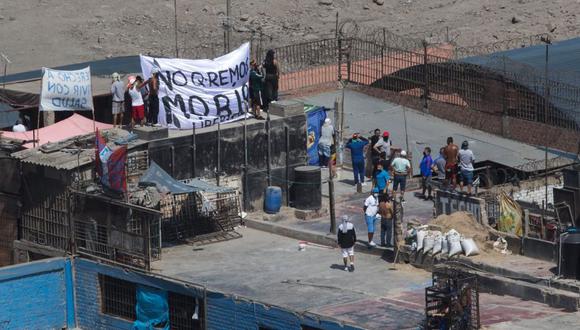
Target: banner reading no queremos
<point>66,90</point>
<point>201,92</point>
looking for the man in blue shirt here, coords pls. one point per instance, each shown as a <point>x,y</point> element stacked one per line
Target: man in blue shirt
<point>381,180</point>
<point>356,146</point>
<point>426,172</point>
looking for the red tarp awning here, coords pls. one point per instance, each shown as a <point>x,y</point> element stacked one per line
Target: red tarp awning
<point>74,125</point>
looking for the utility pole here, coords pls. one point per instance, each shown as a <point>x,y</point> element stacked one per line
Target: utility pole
<point>229,25</point>
<point>6,62</point>
<point>331,193</point>
<point>175,27</point>
<point>548,42</point>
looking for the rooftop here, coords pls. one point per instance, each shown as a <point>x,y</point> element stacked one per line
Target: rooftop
<point>364,113</point>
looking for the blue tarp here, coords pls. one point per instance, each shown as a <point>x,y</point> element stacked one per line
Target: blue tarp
<point>156,176</point>
<point>315,118</point>
<point>152,309</point>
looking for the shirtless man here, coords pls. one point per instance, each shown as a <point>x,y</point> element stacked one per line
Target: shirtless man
<point>451,152</point>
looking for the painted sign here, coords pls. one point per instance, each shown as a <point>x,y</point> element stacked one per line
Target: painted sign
<point>66,90</point>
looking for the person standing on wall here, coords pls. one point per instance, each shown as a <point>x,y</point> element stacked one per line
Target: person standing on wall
<point>256,89</point>
<point>272,73</point>
<point>118,92</point>
<point>372,154</point>
<point>145,95</point>
<point>386,212</point>
<point>371,208</point>
<point>426,167</point>
<point>137,107</point>
<point>400,167</point>
<point>451,153</point>
<point>346,238</point>
<point>466,161</point>
<point>357,145</point>
<point>154,98</point>
<point>325,142</point>
<point>439,163</point>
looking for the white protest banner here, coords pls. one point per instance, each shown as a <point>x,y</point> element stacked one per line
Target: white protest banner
<point>66,90</point>
<point>201,92</point>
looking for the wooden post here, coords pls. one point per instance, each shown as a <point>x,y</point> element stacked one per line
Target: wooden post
<point>245,178</point>
<point>193,150</point>
<point>269,149</point>
<point>219,165</point>
<point>287,162</point>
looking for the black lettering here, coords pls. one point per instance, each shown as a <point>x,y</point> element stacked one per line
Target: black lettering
<point>195,80</point>
<point>201,101</point>
<point>234,75</point>
<point>175,81</point>
<point>216,120</point>
<point>240,101</point>
<point>212,76</point>
<point>221,108</point>
<point>223,77</point>
<point>176,122</point>
<point>207,123</point>
<point>243,69</point>
<point>167,80</point>
<point>176,102</point>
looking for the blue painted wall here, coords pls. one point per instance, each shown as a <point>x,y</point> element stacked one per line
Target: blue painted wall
<point>35,296</point>
<point>60,292</point>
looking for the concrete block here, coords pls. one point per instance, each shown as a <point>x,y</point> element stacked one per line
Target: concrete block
<point>310,214</point>
<point>149,133</point>
<point>287,108</point>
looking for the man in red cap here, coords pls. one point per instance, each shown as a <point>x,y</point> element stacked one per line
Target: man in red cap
<point>383,146</point>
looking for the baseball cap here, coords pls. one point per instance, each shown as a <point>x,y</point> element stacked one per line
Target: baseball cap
<point>386,134</point>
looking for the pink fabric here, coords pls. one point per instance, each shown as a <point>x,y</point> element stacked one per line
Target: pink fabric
<point>72,126</point>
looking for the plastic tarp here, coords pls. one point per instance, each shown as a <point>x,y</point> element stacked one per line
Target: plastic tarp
<point>156,176</point>
<point>152,309</point>
<point>74,125</point>
<point>511,215</point>
<point>315,117</point>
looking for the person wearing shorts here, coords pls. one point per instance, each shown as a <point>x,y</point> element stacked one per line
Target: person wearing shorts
<point>371,208</point>
<point>137,104</point>
<point>466,161</point>
<point>451,152</point>
<point>400,167</point>
<point>118,93</point>
<point>346,238</point>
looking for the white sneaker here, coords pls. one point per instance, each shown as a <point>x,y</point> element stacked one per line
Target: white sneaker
<point>346,268</point>
<point>363,184</point>
<point>373,244</point>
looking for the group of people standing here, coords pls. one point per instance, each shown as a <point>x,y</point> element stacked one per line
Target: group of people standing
<point>451,166</point>
<point>138,97</point>
<point>264,80</point>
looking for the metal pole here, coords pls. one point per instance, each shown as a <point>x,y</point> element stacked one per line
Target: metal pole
<point>331,194</point>
<point>287,162</point>
<point>546,105</point>
<point>336,26</point>
<point>228,20</point>
<point>246,190</point>
<point>406,134</point>
<point>6,62</point>
<point>269,149</point>
<point>425,77</point>
<point>193,150</point>
<point>175,27</point>
<point>219,165</point>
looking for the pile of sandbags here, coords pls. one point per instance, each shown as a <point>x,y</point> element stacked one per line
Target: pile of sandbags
<point>435,242</point>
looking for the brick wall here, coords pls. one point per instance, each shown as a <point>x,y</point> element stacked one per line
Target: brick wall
<point>531,191</point>
<point>34,295</point>
<point>525,131</point>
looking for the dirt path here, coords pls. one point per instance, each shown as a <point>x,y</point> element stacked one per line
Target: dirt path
<point>35,33</point>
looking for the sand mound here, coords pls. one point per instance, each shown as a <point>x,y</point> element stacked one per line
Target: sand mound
<point>466,225</point>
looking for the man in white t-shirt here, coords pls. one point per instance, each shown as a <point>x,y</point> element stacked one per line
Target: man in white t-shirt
<point>400,166</point>
<point>371,209</point>
<point>466,160</point>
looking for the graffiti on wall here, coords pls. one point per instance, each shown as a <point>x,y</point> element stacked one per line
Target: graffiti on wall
<point>448,202</point>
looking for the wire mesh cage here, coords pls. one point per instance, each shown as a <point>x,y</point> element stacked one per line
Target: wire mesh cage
<point>452,302</point>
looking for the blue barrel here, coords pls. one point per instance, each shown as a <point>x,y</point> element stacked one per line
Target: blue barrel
<point>272,200</point>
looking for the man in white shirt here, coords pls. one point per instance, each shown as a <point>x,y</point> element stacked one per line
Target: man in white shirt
<point>400,168</point>
<point>371,208</point>
<point>466,161</point>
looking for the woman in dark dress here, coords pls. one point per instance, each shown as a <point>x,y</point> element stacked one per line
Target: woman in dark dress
<point>272,71</point>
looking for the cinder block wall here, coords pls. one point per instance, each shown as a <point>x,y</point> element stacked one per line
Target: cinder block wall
<point>35,296</point>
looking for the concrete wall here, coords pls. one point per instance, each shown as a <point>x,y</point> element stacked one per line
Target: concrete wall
<point>513,128</point>
<point>175,155</point>
<point>37,295</point>
<point>449,202</point>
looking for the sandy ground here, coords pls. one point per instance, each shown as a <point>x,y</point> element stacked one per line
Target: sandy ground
<point>35,33</point>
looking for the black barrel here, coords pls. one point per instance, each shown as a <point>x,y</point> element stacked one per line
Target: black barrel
<point>307,188</point>
<point>570,255</point>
